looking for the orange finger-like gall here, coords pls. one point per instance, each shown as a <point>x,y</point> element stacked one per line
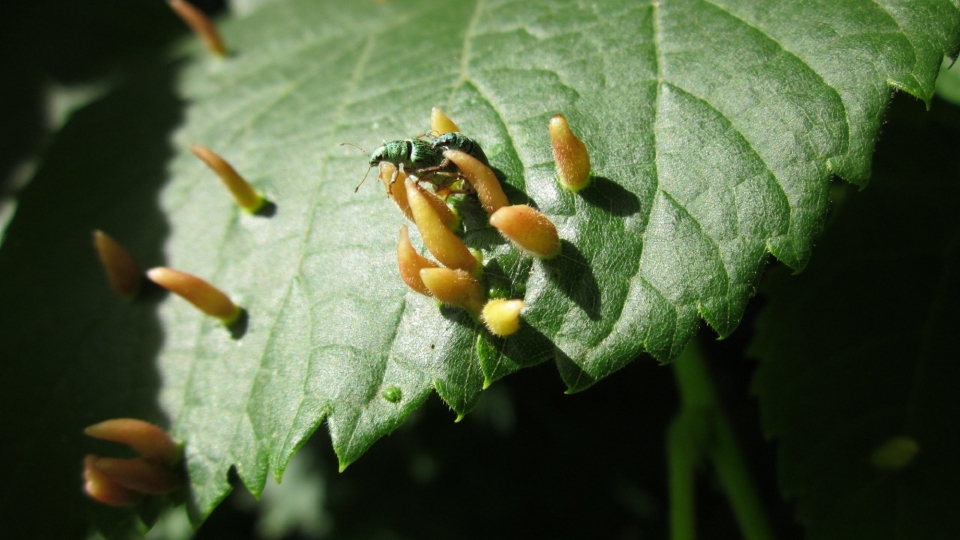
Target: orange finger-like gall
<point>201,25</point>
<point>394,180</point>
<point>148,440</point>
<point>198,292</point>
<point>439,240</point>
<point>481,177</point>
<point>455,287</point>
<point>502,317</point>
<point>529,229</point>
<point>243,193</point>
<point>123,273</point>
<point>411,263</point>
<point>101,488</point>
<point>139,474</point>
<point>572,158</point>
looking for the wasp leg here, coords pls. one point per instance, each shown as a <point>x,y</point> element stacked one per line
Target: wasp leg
<point>393,177</point>
<point>437,169</point>
<point>432,134</point>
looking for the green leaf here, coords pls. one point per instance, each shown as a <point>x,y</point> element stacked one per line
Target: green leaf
<point>860,350</point>
<point>713,129</point>
<point>948,82</point>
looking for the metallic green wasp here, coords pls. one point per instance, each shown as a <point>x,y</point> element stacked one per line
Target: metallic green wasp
<point>459,141</point>
<point>413,156</point>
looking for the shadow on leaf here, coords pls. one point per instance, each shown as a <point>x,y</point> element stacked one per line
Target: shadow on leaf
<point>611,197</point>
<point>571,273</point>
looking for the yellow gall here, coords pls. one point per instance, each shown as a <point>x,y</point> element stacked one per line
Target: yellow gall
<point>123,273</point>
<point>148,440</point>
<point>895,454</point>
<point>101,488</point>
<point>528,229</point>
<point>198,292</point>
<point>447,216</point>
<point>440,123</point>
<point>139,474</point>
<point>201,25</point>
<point>439,240</point>
<point>572,158</point>
<point>455,287</point>
<point>243,193</point>
<point>411,263</point>
<point>502,317</point>
<point>481,177</point>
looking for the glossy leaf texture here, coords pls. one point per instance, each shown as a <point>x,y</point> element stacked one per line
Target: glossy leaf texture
<point>713,128</point>
<point>861,349</point>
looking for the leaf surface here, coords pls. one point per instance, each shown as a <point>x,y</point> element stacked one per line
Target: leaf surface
<point>861,348</point>
<point>713,129</point>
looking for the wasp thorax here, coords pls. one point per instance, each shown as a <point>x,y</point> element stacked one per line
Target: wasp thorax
<point>528,229</point>
<point>201,25</point>
<point>502,316</point>
<point>198,292</point>
<point>123,273</point>
<point>481,177</point>
<point>455,287</point>
<point>411,263</point>
<point>440,123</point>
<point>572,158</point>
<point>437,237</point>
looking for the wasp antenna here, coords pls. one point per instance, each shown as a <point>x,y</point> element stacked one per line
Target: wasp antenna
<point>355,146</point>
<point>356,189</point>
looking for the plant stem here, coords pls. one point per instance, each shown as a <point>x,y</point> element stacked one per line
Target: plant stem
<point>733,473</point>
<point>682,458</point>
<point>707,430</point>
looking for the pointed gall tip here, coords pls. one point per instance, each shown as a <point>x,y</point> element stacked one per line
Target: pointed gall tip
<point>572,158</point>
<point>440,123</point>
<point>139,474</point>
<point>529,229</point>
<point>101,488</point>
<point>486,383</point>
<point>411,263</point>
<point>148,440</point>
<point>201,25</point>
<point>459,418</point>
<point>243,193</point>
<point>122,271</point>
<point>455,287</point>
<point>198,292</point>
<point>482,178</point>
<point>438,238</point>
<point>502,316</point>
<point>895,454</point>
